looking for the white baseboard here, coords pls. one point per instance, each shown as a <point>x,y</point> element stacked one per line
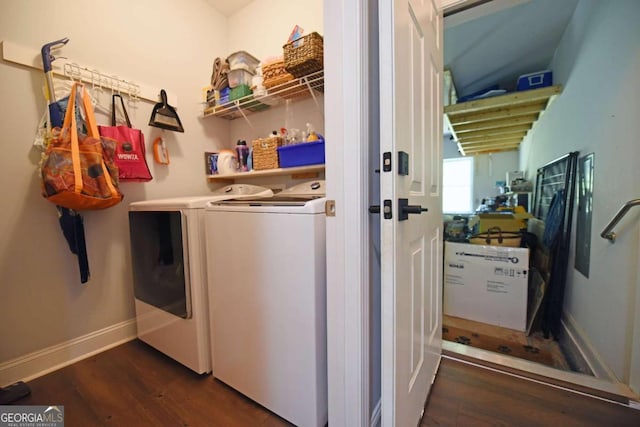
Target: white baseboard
<point>577,338</point>
<point>376,415</point>
<point>38,363</point>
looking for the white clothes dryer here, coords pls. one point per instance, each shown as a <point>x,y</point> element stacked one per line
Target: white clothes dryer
<point>169,273</point>
<point>267,289</point>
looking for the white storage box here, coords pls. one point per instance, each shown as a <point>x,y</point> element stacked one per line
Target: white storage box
<point>487,284</point>
<point>513,175</point>
<point>243,61</point>
<point>239,77</point>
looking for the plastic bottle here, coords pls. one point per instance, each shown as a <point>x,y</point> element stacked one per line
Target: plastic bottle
<point>250,160</point>
<point>243,154</point>
<point>311,135</point>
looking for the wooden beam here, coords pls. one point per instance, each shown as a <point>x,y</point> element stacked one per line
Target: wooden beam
<point>513,135</point>
<point>491,147</point>
<point>500,113</point>
<point>471,145</point>
<point>496,123</point>
<point>509,99</point>
<point>491,143</point>
<point>479,153</point>
<point>461,149</point>
<point>495,132</point>
<point>486,150</point>
<point>492,151</point>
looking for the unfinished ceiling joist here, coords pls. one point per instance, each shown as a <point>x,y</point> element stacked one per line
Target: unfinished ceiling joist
<point>496,138</point>
<point>495,124</point>
<point>498,123</point>
<point>496,147</point>
<point>501,142</point>
<point>461,119</point>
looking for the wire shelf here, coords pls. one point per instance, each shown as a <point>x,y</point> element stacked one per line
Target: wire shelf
<point>297,89</point>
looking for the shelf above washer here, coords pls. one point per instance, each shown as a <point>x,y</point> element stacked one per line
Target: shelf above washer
<point>307,86</point>
<point>300,170</point>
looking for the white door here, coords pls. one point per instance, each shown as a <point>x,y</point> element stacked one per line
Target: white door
<point>410,122</point>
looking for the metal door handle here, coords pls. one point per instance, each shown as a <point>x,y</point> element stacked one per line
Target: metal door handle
<point>414,209</point>
<point>404,209</point>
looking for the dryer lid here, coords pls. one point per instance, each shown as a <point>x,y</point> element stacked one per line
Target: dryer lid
<point>228,192</point>
<point>307,190</point>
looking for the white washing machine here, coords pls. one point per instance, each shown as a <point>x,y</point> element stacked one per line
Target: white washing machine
<point>267,289</point>
<point>169,273</point>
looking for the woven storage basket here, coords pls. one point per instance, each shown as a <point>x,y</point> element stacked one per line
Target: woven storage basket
<point>265,152</point>
<point>496,237</point>
<point>304,55</point>
<point>274,74</point>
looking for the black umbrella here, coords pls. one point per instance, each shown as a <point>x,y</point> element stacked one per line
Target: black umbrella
<point>70,220</point>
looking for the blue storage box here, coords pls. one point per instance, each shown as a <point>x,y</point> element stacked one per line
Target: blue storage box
<point>535,80</point>
<point>224,95</point>
<point>306,153</point>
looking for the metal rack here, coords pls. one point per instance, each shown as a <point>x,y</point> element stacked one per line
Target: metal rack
<point>307,86</point>
<point>63,67</point>
<point>100,80</point>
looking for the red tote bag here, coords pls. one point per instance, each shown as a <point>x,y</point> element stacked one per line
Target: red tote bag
<point>130,151</point>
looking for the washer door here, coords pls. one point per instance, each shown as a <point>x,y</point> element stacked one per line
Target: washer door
<point>158,242</point>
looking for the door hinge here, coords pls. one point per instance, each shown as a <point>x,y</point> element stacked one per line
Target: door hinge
<point>330,208</point>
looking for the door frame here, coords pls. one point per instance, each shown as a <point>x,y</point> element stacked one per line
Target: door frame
<point>347,68</point>
<point>346,129</point>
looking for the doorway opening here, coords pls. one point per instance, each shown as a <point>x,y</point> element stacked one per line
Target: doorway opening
<point>487,49</point>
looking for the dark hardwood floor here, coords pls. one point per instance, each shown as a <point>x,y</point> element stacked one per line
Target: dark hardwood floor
<point>468,395</point>
<point>134,385</point>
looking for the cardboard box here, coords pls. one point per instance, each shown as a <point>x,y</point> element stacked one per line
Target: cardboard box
<point>487,284</point>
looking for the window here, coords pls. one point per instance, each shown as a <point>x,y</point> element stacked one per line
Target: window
<point>457,185</point>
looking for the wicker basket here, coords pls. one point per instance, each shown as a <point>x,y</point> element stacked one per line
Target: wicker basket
<point>496,237</point>
<point>274,74</point>
<point>265,152</point>
<point>304,55</point>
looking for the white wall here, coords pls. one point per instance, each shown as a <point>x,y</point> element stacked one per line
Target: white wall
<point>487,169</point>
<point>598,64</point>
<point>164,44</point>
<point>263,27</point>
